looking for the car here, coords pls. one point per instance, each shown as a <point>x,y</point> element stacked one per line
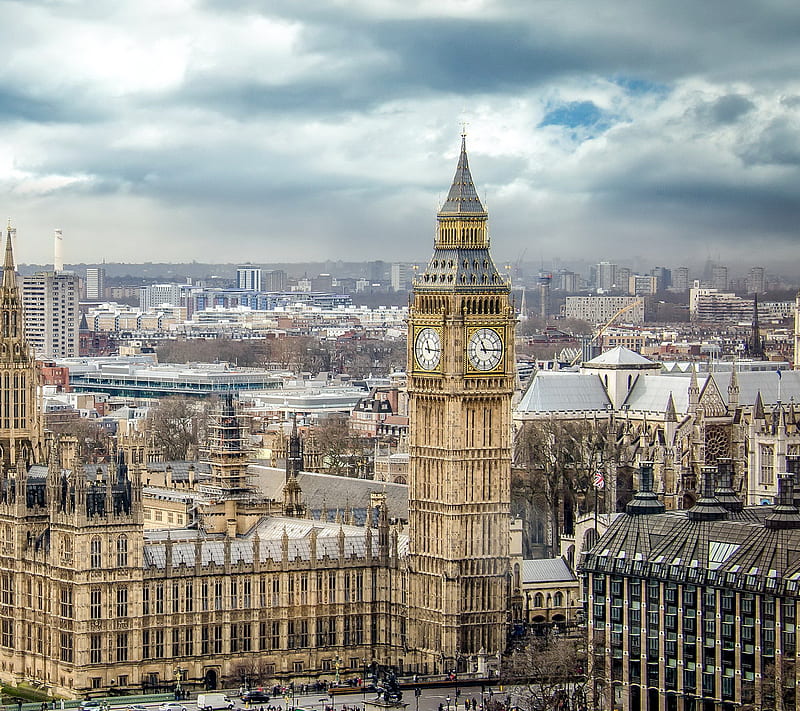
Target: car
<point>255,696</point>
<point>172,706</point>
<point>89,705</point>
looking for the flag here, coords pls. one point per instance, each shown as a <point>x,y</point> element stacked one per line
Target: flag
<point>598,480</point>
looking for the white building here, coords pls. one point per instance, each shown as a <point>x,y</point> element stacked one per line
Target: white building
<point>50,306</point>
<point>95,283</point>
<point>248,277</point>
<point>157,294</point>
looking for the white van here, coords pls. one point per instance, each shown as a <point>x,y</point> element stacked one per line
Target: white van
<point>211,702</point>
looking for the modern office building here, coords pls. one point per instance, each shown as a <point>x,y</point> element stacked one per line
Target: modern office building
<point>606,276</point>
<point>50,303</point>
<point>756,281</point>
<point>696,610</point>
<point>248,277</point>
<point>95,283</point>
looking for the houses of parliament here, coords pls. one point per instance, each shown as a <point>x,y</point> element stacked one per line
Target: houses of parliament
<point>92,601</point>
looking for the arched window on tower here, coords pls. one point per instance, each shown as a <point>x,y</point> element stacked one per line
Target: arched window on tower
<point>122,551</point>
<point>96,553</point>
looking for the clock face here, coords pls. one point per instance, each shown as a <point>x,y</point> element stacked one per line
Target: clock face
<point>485,349</point>
<point>428,348</point>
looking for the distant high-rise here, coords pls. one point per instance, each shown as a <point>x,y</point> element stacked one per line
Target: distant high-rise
<point>273,280</point>
<point>402,275</point>
<point>680,279</point>
<point>755,281</point>
<point>248,277</point>
<point>606,276</point>
<point>50,307</point>
<point>663,277</point>
<point>719,277</point>
<point>95,283</point>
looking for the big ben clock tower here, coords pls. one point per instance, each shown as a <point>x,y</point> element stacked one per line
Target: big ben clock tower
<point>460,381</point>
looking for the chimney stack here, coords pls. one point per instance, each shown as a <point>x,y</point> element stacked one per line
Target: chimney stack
<point>58,260</point>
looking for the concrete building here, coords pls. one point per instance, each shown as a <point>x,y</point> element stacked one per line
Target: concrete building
<point>755,281</point>
<point>680,280</point>
<point>642,285</point>
<point>719,277</point>
<point>155,295</point>
<point>95,283</point>
<point>600,309</point>
<point>606,276</point>
<point>712,305</point>
<point>50,301</point>
<point>402,276</point>
<point>274,280</point>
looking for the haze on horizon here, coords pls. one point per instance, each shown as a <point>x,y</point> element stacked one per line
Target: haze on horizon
<point>278,131</point>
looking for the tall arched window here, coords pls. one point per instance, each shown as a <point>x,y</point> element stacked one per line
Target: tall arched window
<point>122,551</point>
<point>538,600</point>
<point>96,553</point>
<point>558,599</point>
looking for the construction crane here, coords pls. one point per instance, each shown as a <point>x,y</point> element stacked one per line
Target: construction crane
<point>610,321</point>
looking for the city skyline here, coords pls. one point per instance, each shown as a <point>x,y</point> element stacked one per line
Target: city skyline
<point>157,131</point>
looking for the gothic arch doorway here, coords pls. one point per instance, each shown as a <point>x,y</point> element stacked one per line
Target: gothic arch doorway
<point>211,679</point>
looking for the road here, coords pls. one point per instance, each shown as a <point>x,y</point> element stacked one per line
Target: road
<point>429,700</point>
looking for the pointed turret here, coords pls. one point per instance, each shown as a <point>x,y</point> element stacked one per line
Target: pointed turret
<point>733,389</point>
<point>463,197</point>
<point>758,407</point>
<point>461,259</point>
<point>694,390</point>
<point>755,345</point>
<point>670,414</point>
<point>21,438</point>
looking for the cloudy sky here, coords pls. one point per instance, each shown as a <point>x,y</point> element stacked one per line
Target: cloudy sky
<point>290,130</point>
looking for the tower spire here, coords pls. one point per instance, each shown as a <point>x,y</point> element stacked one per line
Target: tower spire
<point>9,278</point>
<point>463,197</point>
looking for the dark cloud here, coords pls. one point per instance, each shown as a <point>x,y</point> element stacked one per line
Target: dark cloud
<point>331,127</point>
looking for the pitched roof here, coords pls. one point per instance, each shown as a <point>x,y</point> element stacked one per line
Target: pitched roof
<point>463,197</point>
<point>546,570</point>
<point>652,394</point>
<point>620,357</point>
<point>564,392</point>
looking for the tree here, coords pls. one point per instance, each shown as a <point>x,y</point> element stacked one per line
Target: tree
<point>92,439</point>
<point>552,673</point>
<point>338,449</point>
<point>555,462</point>
<point>176,426</point>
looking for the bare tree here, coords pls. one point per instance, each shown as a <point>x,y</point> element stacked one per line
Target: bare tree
<point>93,440</point>
<point>555,461</point>
<point>176,426</point>
<point>551,674</point>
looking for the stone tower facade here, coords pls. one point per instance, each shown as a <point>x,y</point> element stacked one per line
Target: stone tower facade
<point>461,372</point>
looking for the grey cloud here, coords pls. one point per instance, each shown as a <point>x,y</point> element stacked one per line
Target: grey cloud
<point>777,144</point>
